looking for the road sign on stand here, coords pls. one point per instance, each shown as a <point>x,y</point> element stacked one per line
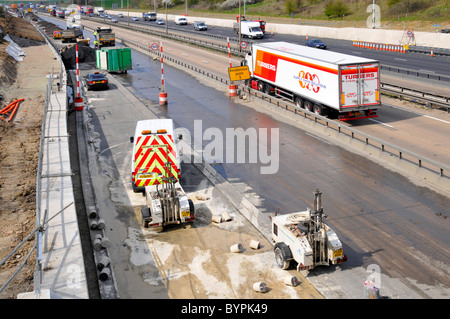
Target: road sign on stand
<point>239,73</point>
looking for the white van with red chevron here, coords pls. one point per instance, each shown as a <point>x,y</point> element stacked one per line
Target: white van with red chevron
<point>155,171</point>
<point>154,147</point>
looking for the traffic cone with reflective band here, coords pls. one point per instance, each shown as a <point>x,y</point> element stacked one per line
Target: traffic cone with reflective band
<point>163,98</point>
<point>233,89</point>
<point>432,54</point>
<point>78,104</point>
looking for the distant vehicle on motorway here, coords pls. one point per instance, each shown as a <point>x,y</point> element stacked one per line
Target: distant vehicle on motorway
<point>57,34</point>
<point>180,21</point>
<point>445,31</point>
<point>160,21</point>
<point>120,15</point>
<point>135,19</point>
<point>200,26</point>
<point>316,43</point>
<point>96,81</point>
<point>114,20</point>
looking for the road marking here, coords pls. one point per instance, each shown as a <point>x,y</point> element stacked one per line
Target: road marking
<point>356,52</point>
<point>382,123</point>
<point>417,113</point>
<point>399,59</point>
<point>204,61</point>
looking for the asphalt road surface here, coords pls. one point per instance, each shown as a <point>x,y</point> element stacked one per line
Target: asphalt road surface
<point>382,218</point>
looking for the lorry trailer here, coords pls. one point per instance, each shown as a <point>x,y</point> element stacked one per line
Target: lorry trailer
<point>106,37</point>
<point>321,81</point>
<point>71,35</point>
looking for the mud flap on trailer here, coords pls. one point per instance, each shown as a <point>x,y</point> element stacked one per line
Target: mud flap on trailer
<point>357,115</point>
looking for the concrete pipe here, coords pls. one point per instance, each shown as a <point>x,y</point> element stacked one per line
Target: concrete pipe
<point>260,287</point>
<point>101,224</point>
<point>226,217</point>
<point>105,242</point>
<point>94,225</point>
<point>103,262</point>
<point>92,214</point>
<point>237,248</point>
<point>104,274</point>
<point>254,244</point>
<point>291,281</point>
<point>98,244</point>
<point>216,219</point>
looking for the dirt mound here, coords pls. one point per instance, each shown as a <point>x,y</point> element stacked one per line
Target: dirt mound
<point>86,55</point>
<point>8,68</point>
<point>20,27</point>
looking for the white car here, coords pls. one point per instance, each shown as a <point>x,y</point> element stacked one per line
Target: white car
<point>135,19</point>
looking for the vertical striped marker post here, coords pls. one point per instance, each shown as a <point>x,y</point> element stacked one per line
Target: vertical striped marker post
<point>231,87</point>
<point>163,94</point>
<point>78,100</point>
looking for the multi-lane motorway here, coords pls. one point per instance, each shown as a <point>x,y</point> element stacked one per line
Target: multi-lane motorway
<point>383,218</point>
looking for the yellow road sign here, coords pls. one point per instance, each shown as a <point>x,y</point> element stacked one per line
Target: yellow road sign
<point>239,73</point>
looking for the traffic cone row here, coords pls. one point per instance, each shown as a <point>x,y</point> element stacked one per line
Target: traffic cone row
<point>380,46</point>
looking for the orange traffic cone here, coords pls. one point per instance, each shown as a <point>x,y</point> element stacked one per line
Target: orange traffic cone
<point>432,54</point>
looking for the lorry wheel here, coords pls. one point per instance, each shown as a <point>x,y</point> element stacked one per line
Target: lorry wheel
<point>260,86</point>
<point>318,109</point>
<point>281,260</point>
<point>308,106</point>
<point>298,102</point>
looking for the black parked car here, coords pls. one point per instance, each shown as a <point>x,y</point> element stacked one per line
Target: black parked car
<point>96,81</point>
<point>316,43</point>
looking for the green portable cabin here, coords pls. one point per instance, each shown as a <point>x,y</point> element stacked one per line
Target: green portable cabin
<point>114,59</point>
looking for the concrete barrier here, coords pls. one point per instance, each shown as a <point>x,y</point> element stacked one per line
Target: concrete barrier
<point>426,39</point>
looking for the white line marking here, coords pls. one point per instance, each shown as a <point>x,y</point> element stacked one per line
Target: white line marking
<point>382,123</point>
<point>417,113</point>
<point>400,59</point>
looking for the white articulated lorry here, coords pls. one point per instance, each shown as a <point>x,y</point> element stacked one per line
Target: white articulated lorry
<point>155,171</point>
<point>306,239</point>
<point>321,81</point>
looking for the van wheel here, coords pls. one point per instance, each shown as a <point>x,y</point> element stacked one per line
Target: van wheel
<point>267,89</point>
<point>281,260</point>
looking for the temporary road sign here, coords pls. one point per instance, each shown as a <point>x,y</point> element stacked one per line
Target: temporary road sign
<point>239,73</point>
